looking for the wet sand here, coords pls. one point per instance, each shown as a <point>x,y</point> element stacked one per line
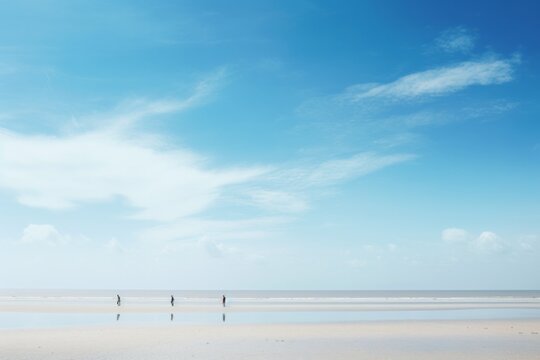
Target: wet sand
<point>129,306</point>
<point>467,339</point>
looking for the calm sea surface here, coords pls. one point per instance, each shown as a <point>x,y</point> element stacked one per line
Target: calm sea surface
<point>501,305</point>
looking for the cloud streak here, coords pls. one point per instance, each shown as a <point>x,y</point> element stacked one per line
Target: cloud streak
<point>383,114</point>
<point>333,171</point>
<point>212,229</point>
<point>440,81</point>
<point>287,189</point>
<point>134,110</point>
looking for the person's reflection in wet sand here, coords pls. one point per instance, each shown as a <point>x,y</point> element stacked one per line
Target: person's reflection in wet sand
<point>172,316</point>
<point>223,317</point>
<point>117,317</point>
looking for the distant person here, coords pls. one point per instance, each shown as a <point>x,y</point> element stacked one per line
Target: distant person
<point>223,300</point>
<point>118,301</point>
<point>172,300</point>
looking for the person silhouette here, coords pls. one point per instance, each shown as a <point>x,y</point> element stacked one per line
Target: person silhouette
<point>172,300</point>
<point>223,300</point>
<point>118,301</point>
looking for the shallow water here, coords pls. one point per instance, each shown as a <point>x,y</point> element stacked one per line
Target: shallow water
<point>474,305</point>
<point>54,320</point>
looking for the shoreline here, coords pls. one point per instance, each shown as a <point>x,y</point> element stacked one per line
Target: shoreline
<point>33,307</point>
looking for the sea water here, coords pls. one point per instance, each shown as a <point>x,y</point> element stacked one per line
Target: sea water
<point>268,296</point>
<point>236,299</point>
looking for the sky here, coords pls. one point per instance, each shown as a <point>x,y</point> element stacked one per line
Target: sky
<point>270,145</point>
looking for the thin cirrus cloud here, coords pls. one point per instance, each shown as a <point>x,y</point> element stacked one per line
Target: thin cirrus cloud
<point>131,111</point>
<point>330,172</point>
<point>287,189</point>
<point>281,192</point>
<point>456,40</point>
<point>205,230</point>
<point>382,110</point>
<point>440,81</point>
<point>278,200</point>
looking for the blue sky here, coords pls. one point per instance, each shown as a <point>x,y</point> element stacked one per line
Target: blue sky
<point>269,145</point>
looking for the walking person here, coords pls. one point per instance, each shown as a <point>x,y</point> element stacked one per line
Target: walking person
<point>223,300</point>
<point>118,301</point>
<point>172,300</point>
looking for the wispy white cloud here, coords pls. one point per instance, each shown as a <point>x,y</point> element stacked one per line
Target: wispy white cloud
<point>457,39</point>
<point>529,242</point>
<point>130,111</point>
<point>114,246</point>
<point>486,243</point>
<point>333,171</point>
<point>358,165</point>
<point>44,234</point>
<point>369,254</point>
<point>281,190</point>
<point>278,200</point>
<point>162,182</point>
<point>218,249</point>
<point>159,181</point>
<point>212,229</point>
<point>215,249</point>
<point>390,111</point>
<point>396,140</point>
<point>289,188</point>
<point>111,160</point>
<point>439,81</point>
<point>64,171</point>
<point>455,235</point>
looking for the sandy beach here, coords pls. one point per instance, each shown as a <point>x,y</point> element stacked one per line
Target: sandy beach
<point>254,326</point>
<point>508,339</point>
